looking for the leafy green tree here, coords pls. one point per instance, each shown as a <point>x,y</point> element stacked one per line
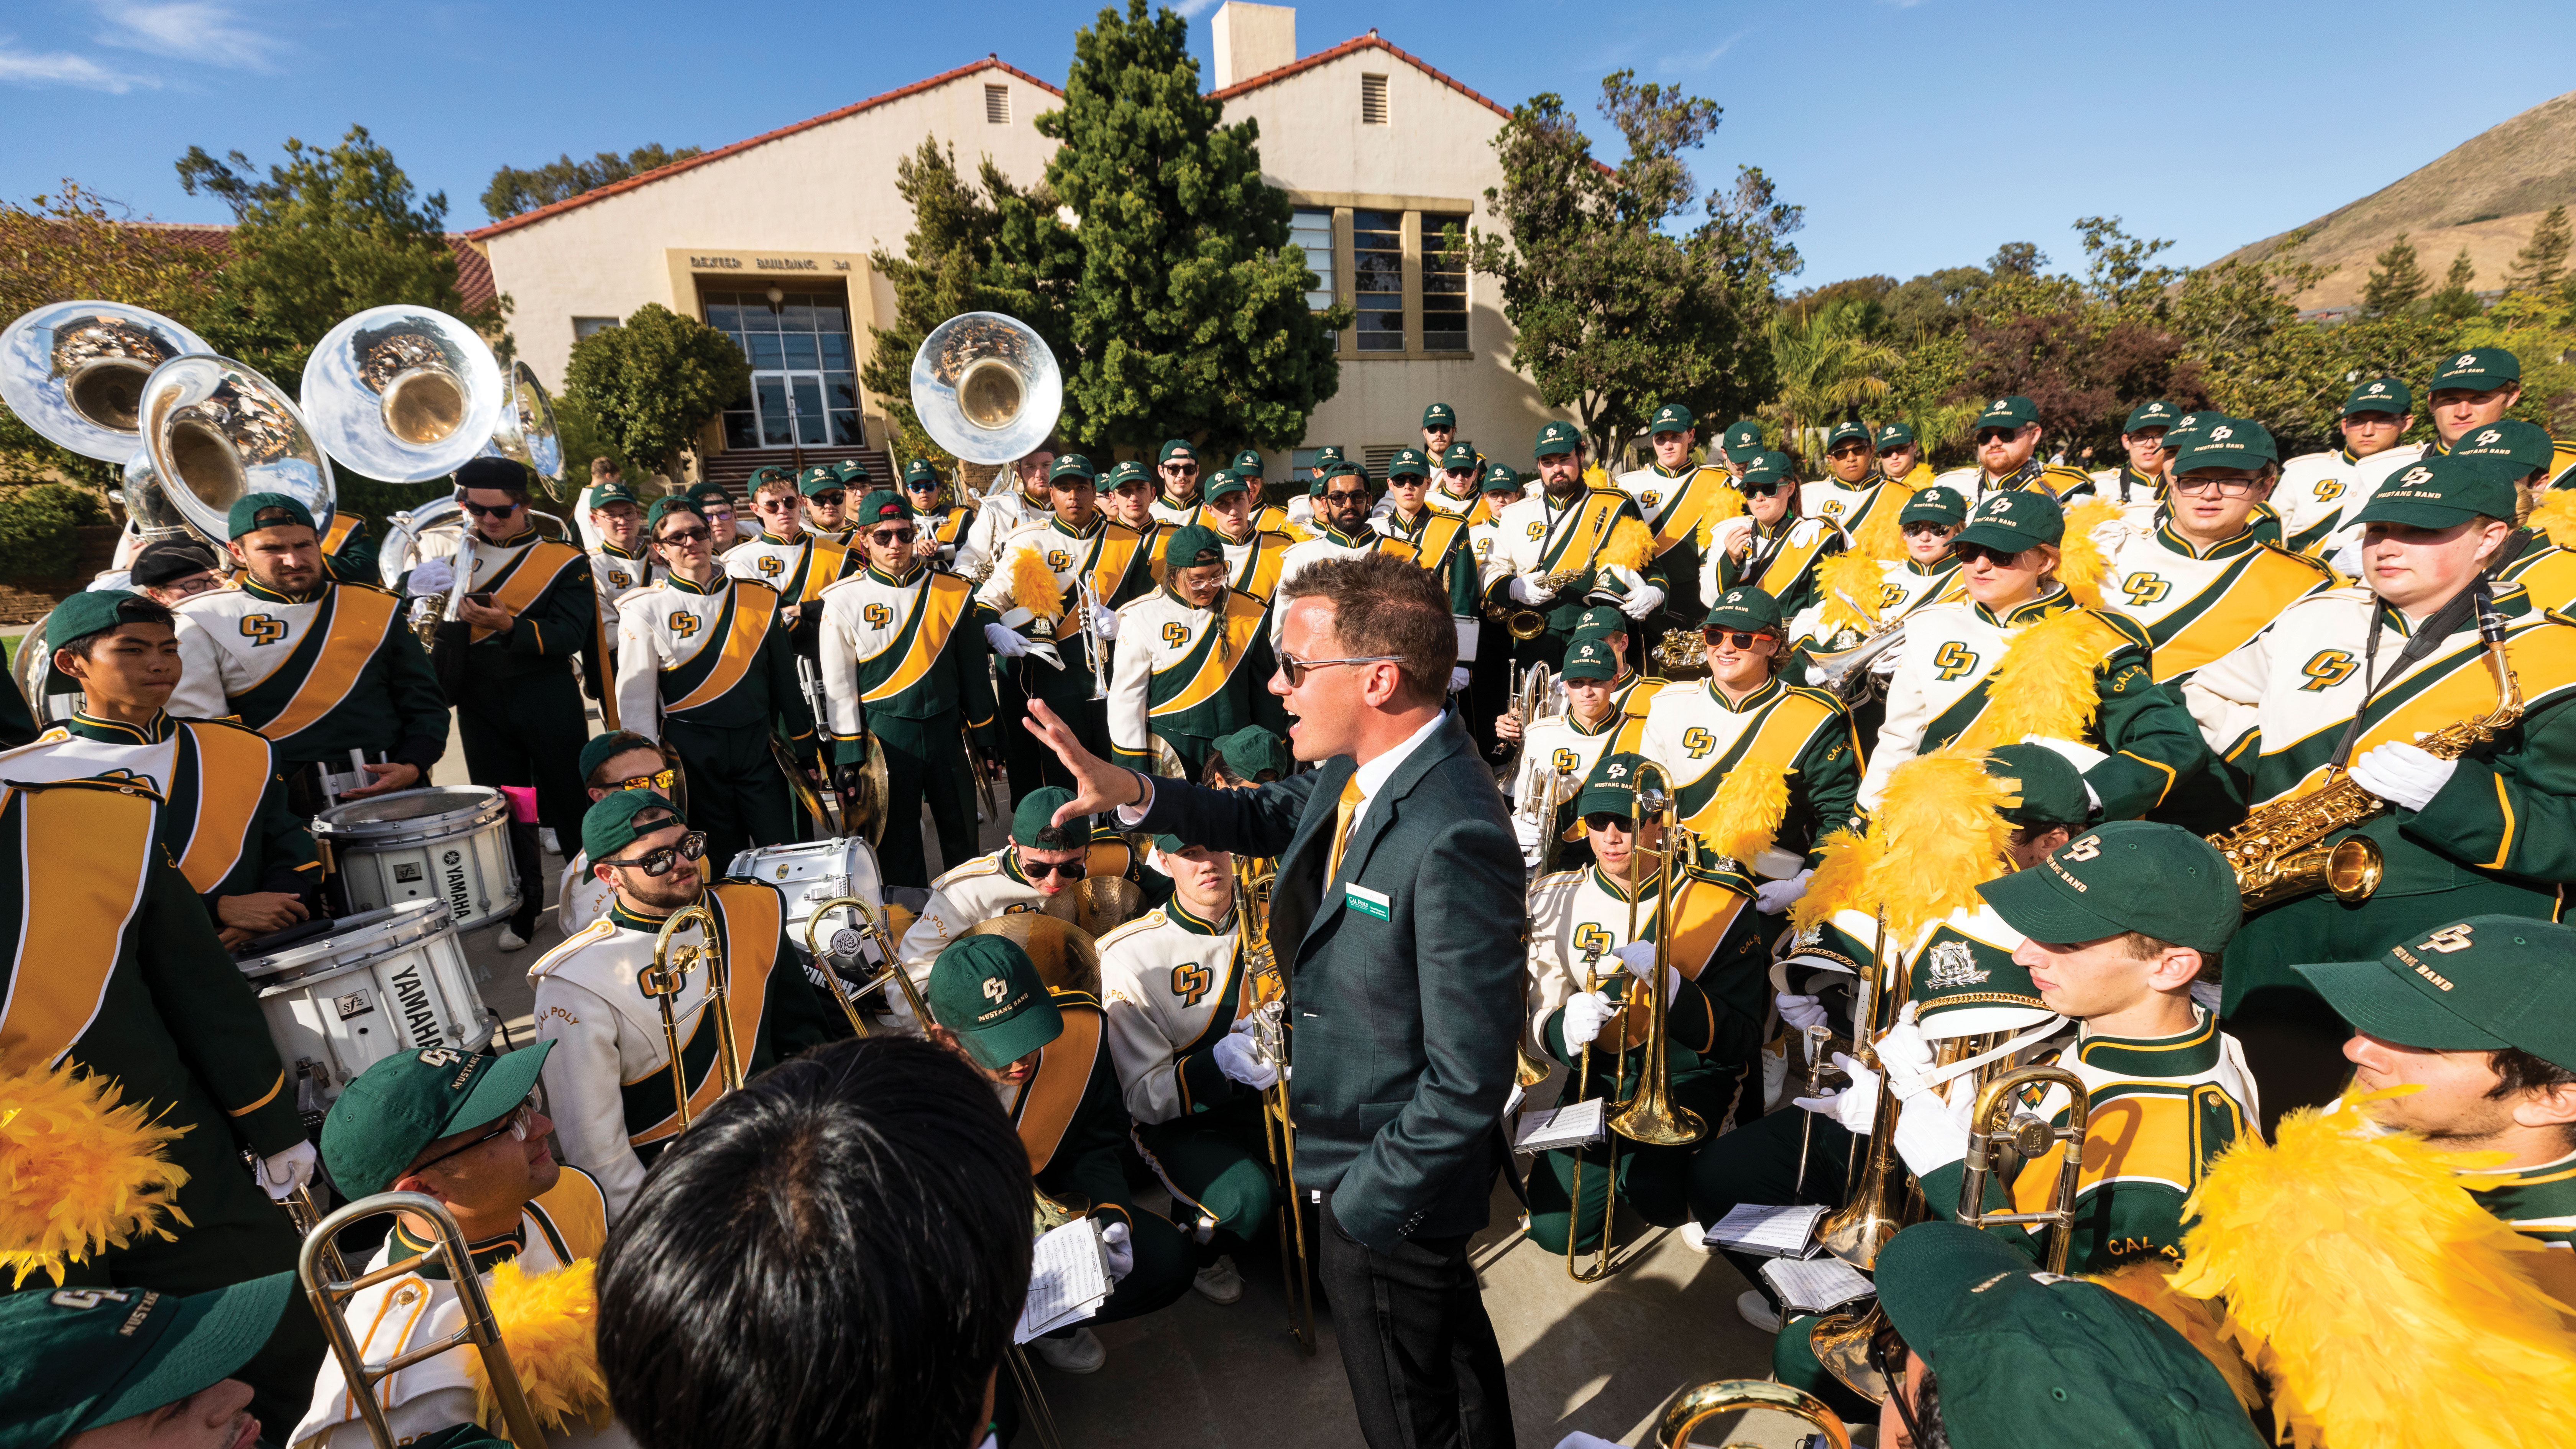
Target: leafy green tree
<point>513,190</point>
<point>2397,281</point>
<point>2542,262</point>
<point>653,382</point>
<point>1935,303</point>
<point>1185,302</point>
<point>2457,301</point>
<point>2122,273</point>
<point>1827,364</point>
<point>1614,313</point>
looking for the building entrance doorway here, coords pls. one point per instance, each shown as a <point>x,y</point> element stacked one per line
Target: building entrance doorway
<point>789,409</point>
<point>804,390</point>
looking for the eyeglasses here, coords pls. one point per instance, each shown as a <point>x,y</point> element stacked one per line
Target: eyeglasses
<point>658,863</point>
<point>1069,869</point>
<point>772,505</point>
<point>1340,495</point>
<point>1297,669</point>
<point>1600,820</point>
<point>2226,487</point>
<point>659,780</point>
<point>889,537</point>
<point>685,535</point>
<point>1765,490</point>
<point>1970,553</point>
<point>191,585</point>
<point>1731,638</point>
<point>514,1125</point>
<point>501,511</point>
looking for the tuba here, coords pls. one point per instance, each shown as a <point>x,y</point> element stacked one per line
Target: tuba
<point>986,387</point>
<point>526,433</point>
<point>75,372</point>
<point>405,394</point>
<point>214,429</point>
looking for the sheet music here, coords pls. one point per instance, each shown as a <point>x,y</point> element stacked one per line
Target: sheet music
<point>1815,1285</point>
<point>1773,1232</point>
<point>1068,1279</point>
<point>1553,1129</point>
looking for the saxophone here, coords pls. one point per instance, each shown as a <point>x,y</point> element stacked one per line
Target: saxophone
<point>2281,850</point>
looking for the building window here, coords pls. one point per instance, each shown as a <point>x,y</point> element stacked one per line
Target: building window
<point>1444,285</point>
<point>584,326</point>
<point>1313,230</point>
<point>804,388</point>
<point>1377,278</point>
<point>997,105</point>
<point>1372,100</point>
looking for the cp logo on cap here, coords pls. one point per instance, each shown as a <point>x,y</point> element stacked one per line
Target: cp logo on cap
<point>2155,407</point>
<point>2417,475</point>
<point>2185,420</point>
<point>2465,359</point>
<point>2221,433</point>
<point>2488,438</point>
<point>2000,505</point>
<point>2378,387</point>
<point>1617,772</point>
<point>994,989</point>
<point>1735,596</point>
<point>2449,939</point>
<point>441,1057</point>
<point>2085,849</point>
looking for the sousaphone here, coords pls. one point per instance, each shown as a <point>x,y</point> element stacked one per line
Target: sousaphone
<point>405,394</point>
<point>75,372</point>
<point>526,433</point>
<point>215,429</point>
<point>986,387</point>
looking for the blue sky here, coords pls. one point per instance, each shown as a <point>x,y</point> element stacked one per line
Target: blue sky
<point>1917,133</point>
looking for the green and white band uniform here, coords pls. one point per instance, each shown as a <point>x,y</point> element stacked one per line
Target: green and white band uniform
<point>710,669</point>
<point>1565,746</point>
<point>1537,537</point>
<point>1003,512</point>
<point>1905,586</point>
<point>2138,494</point>
<point>1780,557</point>
<point>2321,495</point>
<point>1182,672</point>
<point>800,571</point>
<point>944,529</point>
<point>1674,502</point>
<point>1110,558</point>
<point>2544,562</point>
<point>1438,542</point>
<point>1701,739</point>
<point>2035,474</point>
<point>1853,509</point>
<point>608,1079</point>
<point>333,671</point>
<point>614,573</point>
<point>988,886</point>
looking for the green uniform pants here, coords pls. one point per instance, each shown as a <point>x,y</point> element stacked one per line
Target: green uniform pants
<point>736,794</point>
<point>1163,1268</point>
<point>1216,1160</point>
<point>925,764</point>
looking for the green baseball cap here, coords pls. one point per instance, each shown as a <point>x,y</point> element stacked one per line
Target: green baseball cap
<point>1589,656</point>
<point>1458,455</point>
<point>1248,462</point>
<point>1071,465</point>
<point>2155,413</point>
<point>772,473</point>
<point>87,612</point>
<point>821,480</point>
<point>1223,482</point>
<point>2478,369</point>
<point>1934,504</point>
<point>1170,844</point>
<point>1036,813</point>
<point>2515,447</point>
<point>1741,440</point>
<point>1408,462</point>
<point>1555,438</point>
<point>1612,785</point>
<point>918,472</point>
<point>615,490</point>
<point>1439,415</point>
<point>1893,435</point>
<point>1846,433</point>
<point>2011,413</point>
<point>2124,875</point>
<point>1191,545</point>
<point>2380,395</point>
<point>2218,441</point>
<point>880,506</point>
<point>2439,492</point>
<point>710,492</point>
<point>1764,472</point>
<point>669,504</point>
<point>1330,453</point>
<point>1744,607</point>
<point>1670,418</point>
<point>608,826</point>
<point>853,472</point>
<point>2016,1348</point>
<point>2015,521</point>
<point>987,990</point>
<point>2478,984</point>
<point>601,748</point>
<point>1252,750</point>
<point>1344,468</point>
<point>1499,478</point>
<point>75,1359</point>
<point>2052,789</point>
<point>1179,448</point>
<point>404,1102</point>
<point>1122,474</point>
<point>254,511</point>
<point>1601,619</point>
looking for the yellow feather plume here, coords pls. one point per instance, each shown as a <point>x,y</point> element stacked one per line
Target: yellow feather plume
<point>1941,834</point>
<point>1033,585</point>
<point>2555,516</point>
<point>1745,813</point>
<point>550,1324</point>
<point>1845,859</point>
<point>1631,545</point>
<point>1723,504</point>
<point>2044,683</point>
<point>2149,1285</point>
<point>2081,562</point>
<point>1850,584</point>
<point>2384,1305</point>
<point>79,1173</point>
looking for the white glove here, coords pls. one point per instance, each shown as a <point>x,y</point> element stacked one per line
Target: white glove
<point>283,1172</point>
<point>2082,757</point>
<point>1642,601</point>
<point>1771,897</point>
<point>1458,679</point>
<point>1580,1440</point>
<point>1802,1012</point>
<point>1122,1253</point>
<point>1237,1058</point>
<point>1730,534</point>
<point>1526,831</point>
<point>1104,621</point>
<point>1816,672</point>
<point>2110,533</point>
<point>434,576</point>
<point>2347,559</point>
<point>1639,958</point>
<point>2402,774</point>
<point>1528,590</point>
<point>1855,1107</point>
<point>1931,1134</point>
<point>1907,1055</point>
<point>1884,666</point>
<point>1586,1012</point>
<point>1005,642</point>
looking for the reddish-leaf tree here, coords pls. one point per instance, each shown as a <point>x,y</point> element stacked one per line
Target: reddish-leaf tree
<point>2083,375</point>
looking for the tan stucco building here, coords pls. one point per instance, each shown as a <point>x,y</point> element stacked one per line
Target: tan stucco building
<point>1374,148</point>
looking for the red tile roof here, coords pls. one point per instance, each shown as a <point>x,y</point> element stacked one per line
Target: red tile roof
<point>630,183</point>
<point>1369,41</point>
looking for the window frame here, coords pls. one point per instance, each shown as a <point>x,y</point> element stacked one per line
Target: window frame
<point>1345,209</point>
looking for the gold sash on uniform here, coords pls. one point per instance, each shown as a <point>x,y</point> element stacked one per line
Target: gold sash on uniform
<point>356,624</point>
<point>232,778</point>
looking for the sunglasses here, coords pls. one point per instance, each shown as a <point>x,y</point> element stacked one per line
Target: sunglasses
<point>889,537</point>
<point>1765,490</point>
<point>1848,450</point>
<point>1181,467</point>
<point>1068,869</point>
<point>1297,669</point>
<point>773,505</point>
<point>515,1125</point>
<point>833,499</point>
<point>1919,526</point>
<point>1731,638</point>
<point>1336,495</point>
<point>1600,820</point>
<point>1970,553</point>
<point>685,535</point>
<point>658,863</point>
<point>1996,435</point>
<point>661,779</point>
<point>500,511</point>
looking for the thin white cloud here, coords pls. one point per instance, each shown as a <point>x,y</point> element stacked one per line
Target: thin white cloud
<point>61,68</point>
<point>1704,59</point>
<point>188,30</point>
<point>1192,9</point>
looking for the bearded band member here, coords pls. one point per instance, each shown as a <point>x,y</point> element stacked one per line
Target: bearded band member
<point>1554,551</point>
<point>1340,526</point>
<point>1255,551</point>
<point>1675,497</point>
<point>2009,460</point>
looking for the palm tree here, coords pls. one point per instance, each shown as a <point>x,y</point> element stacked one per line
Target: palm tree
<point>1827,364</point>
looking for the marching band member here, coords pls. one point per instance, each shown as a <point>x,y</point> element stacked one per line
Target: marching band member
<point>1041,860</point>
<point>726,527</point>
<point>1854,496</point>
<point>2138,484</point>
<point>1176,464</point>
<point>1566,746</point>
<point>1555,550</point>
<point>1195,663</point>
<point>2544,556</point>
<point>1438,542</point>
<point>1044,578</point>
<point>2019,657</point>
<point>1250,756</point>
<point>941,519</point>
<point>1255,552</point>
<point>2476,388</point>
<point>1769,546</point>
<point>1454,491</point>
<point>1045,1051</point>
<point>798,564</point>
<point>321,668</point>
<point>622,562</point>
<point>1489,673</point>
<point>903,661</point>
<point>613,760</point>
<point>2320,494</point>
<point>224,817</point>
<point>1179,997</point>
<point>1127,497</point>
<point>1858,594</point>
<point>1439,429</point>
<point>1298,513</point>
<point>1267,517</point>
<point>466,1130</point>
<point>1400,512</point>
<point>2008,458</point>
<point>610,1089</point>
<point>827,508</point>
<point>1007,509</point>
<point>1740,444</point>
<point>1900,458</point>
<point>2486,834</point>
<point>167,570</point>
<point>1675,496</point>
<point>702,663</point>
<point>1338,527</point>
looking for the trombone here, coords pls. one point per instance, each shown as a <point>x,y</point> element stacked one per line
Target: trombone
<point>664,979</point>
<point>1997,1123</point>
<point>1252,883</point>
<point>1697,1403</point>
<point>847,942</point>
<point>327,1290</point>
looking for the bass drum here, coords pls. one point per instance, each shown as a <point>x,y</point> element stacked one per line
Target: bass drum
<point>448,843</point>
<point>382,982</point>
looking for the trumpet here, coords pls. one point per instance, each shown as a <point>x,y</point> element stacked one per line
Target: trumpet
<point>664,979</point>
<point>1094,657</point>
<point>1252,882</point>
<point>1698,1403</point>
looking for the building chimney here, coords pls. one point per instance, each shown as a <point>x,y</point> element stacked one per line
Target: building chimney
<point>1251,40</point>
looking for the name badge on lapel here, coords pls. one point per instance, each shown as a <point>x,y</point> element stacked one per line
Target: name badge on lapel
<point>1365,901</point>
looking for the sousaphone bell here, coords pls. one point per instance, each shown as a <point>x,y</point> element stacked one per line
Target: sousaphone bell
<point>986,387</point>
<point>215,429</point>
<point>405,394</point>
<point>75,372</point>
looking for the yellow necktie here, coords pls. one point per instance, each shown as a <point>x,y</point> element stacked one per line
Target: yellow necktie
<point>1342,813</point>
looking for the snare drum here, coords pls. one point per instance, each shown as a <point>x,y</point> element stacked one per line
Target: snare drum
<point>448,843</point>
<point>383,982</point>
<point>812,873</point>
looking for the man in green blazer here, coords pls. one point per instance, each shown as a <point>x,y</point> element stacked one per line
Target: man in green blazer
<point>1395,912</point>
